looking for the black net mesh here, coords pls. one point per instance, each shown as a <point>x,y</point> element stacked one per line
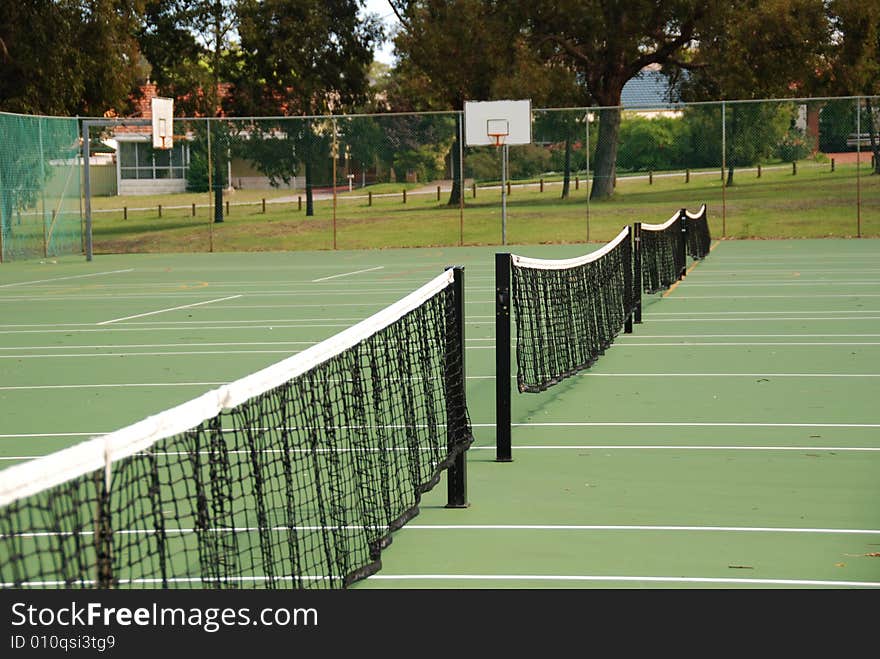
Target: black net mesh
<point>663,256</point>
<point>298,487</point>
<point>699,239</point>
<point>567,316</point>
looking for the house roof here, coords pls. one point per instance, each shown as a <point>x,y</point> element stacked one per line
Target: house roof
<point>648,89</point>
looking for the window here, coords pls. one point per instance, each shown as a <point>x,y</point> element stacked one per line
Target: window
<point>139,160</point>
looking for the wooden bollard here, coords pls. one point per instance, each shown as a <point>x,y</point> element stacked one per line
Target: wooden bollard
<point>832,164</point>
<point>759,170</point>
<point>577,183</point>
<point>542,185</point>
<point>438,193</point>
<point>299,202</point>
<point>193,210</point>
<point>793,167</point>
<point>650,178</point>
<point>264,205</point>
<point>227,207</point>
<point>474,190</point>
<point>369,197</point>
<point>404,195</point>
<point>687,176</point>
<point>125,212</point>
<point>160,210</point>
<point>508,188</point>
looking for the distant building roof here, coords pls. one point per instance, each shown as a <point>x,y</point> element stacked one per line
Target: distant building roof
<point>648,89</point>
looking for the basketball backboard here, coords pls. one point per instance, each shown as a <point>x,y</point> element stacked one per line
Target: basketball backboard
<point>492,123</point>
<point>163,122</point>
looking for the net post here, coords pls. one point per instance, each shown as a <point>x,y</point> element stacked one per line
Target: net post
<point>682,218</point>
<point>629,297</point>
<point>456,477</point>
<point>637,271</point>
<point>503,451</point>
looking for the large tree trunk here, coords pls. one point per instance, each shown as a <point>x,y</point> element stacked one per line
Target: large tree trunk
<point>218,186</point>
<point>566,176</point>
<point>606,153</point>
<point>872,133</point>
<point>310,205</point>
<point>455,195</point>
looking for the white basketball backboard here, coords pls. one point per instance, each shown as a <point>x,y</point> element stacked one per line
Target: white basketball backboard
<point>484,120</point>
<point>163,122</point>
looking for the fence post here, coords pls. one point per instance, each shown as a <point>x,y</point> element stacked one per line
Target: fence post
<point>650,178</point>
<point>793,167</point>
<point>264,205</point>
<point>687,176</point>
<point>438,193</point>
<point>160,210</point>
<point>227,207</point>
<point>759,170</point>
<point>194,209</point>
<point>125,212</point>
<point>369,197</point>
<point>404,195</point>
<point>542,185</point>
<point>474,190</point>
<point>832,164</point>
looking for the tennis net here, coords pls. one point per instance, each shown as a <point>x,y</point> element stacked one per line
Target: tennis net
<point>662,253</point>
<point>567,312</point>
<point>699,238</point>
<point>292,477</point>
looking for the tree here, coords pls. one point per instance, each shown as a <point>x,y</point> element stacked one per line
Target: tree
<point>758,49</point>
<point>303,57</point>
<point>449,52</point>
<point>853,62</point>
<point>68,57</point>
<point>607,42</point>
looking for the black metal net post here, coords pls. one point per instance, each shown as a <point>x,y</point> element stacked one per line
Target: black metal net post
<point>502,358</point>
<point>456,407</point>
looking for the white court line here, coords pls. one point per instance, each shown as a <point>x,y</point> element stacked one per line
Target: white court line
<point>691,319</point>
<point>676,424</point>
<point>634,527</point>
<point>163,345</point>
<point>685,296</point>
<point>356,272</point>
<point>700,375</point>
<point>173,353</point>
<point>112,386</point>
<point>774,284</point>
<point>775,313</point>
<point>608,578</point>
<point>690,344</point>
<point>651,447</point>
<point>185,306</point>
<point>46,281</point>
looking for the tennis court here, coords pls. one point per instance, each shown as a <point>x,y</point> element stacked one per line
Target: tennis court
<point>730,441</point>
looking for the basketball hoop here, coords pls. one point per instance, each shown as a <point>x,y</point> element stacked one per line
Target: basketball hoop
<point>498,138</point>
<point>497,130</point>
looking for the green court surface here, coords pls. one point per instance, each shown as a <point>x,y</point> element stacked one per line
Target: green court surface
<point>732,440</point>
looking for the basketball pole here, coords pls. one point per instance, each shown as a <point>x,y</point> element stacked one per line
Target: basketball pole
<point>504,194</point>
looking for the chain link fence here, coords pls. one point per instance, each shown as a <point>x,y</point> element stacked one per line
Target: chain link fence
<point>765,169</point>
<point>40,193</point>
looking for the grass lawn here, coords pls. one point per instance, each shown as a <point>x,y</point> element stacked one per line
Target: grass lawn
<point>813,203</point>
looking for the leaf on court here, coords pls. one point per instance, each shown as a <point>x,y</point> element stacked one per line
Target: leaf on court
<point>741,567</point>
<point>840,565</point>
<point>873,554</point>
<point>762,380</point>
